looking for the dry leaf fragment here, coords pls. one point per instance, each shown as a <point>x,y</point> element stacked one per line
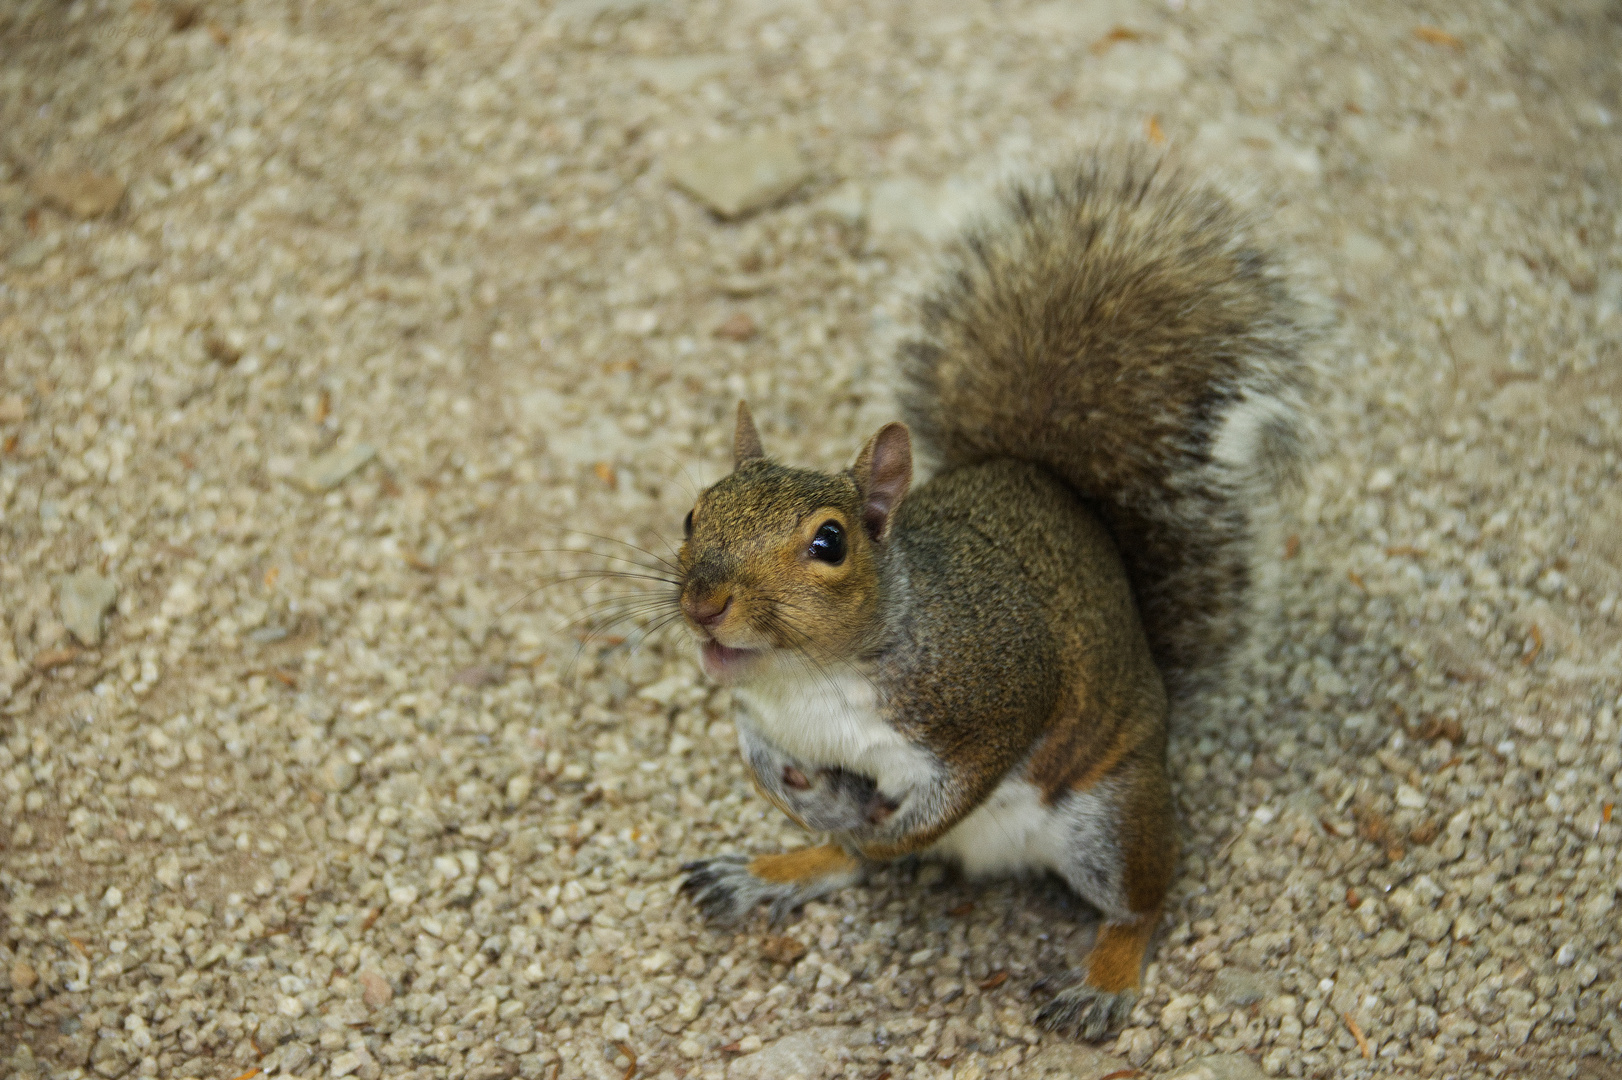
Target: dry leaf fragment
<point>84,194</point>
<point>1356,579</point>
<point>54,658</point>
<point>1536,647</point>
<point>605,473</point>
<point>1156,134</point>
<point>222,351</point>
<point>1425,832</point>
<point>1119,33</point>
<point>1409,550</point>
<point>1434,728</point>
<point>1357,1033</point>
<point>630,1070</point>
<point>961,909</point>
<point>1292,547</point>
<point>740,327</point>
<point>1435,35</point>
<point>782,949</point>
<point>1353,900</point>
<point>1120,1074</point>
<point>1605,812</point>
<point>994,980</point>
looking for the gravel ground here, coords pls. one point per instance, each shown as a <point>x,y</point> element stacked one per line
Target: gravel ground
<point>321,322</point>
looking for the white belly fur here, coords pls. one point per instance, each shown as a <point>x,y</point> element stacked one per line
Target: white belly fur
<point>830,718</point>
<point>1014,831</point>
<point>1009,832</point>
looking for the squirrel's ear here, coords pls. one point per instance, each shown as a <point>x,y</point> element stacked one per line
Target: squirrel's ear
<point>746,440</point>
<point>883,471</point>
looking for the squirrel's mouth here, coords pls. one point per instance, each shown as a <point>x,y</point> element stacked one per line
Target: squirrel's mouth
<point>723,663</point>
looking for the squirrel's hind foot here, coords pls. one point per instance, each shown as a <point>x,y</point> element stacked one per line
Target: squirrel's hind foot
<point>725,891</point>
<point>1087,1010</point>
<point>728,887</point>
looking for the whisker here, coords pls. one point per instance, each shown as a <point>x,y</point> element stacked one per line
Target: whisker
<point>586,551</point>
<point>621,608</point>
<point>563,579</point>
<point>672,567</point>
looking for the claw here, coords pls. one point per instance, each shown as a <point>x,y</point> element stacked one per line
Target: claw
<point>1087,1010</point>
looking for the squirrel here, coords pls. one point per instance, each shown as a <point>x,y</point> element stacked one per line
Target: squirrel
<point>1113,381</point>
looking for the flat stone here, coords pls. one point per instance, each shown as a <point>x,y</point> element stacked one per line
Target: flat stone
<point>1072,1061</point>
<point>845,204</point>
<point>1219,1067</point>
<point>85,598</point>
<point>678,74</point>
<point>734,177</point>
<point>807,1054</point>
<point>83,193</point>
<point>932,212</point>
<point>334,467</point>
<point>1239,987</point>
<point>13,409</point>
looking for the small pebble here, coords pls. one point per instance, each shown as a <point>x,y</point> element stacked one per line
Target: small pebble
<point>333,468</point>
<point>734,177</point>
<point>85,599</point>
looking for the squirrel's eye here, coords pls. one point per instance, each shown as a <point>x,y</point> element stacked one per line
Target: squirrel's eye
<point>829,544</point>
<point>687,525</point>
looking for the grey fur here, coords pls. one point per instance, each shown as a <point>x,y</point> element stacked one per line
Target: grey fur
<point>1109,324</point>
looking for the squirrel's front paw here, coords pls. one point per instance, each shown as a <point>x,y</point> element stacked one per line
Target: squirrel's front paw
<point>1086,1010</point>
<point>728,887</point>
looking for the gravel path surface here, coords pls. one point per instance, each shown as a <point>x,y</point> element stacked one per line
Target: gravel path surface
<point>321,322</point>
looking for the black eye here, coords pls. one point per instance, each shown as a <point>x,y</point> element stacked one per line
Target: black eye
<point>687,525</point>
<point>829,544</point>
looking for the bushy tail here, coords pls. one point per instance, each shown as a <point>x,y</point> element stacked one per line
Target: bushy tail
<point>1120,327</point>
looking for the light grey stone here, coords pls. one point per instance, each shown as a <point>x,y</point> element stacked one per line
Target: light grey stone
<point>678,74</point>
<point>334,467</point>
<point>85,599</point>
<point>1241,987</point>
<point>1064,1061</point>
<point>1219,1067</point>
<point>734,177</point>
<point>931,212</point>
<point>1390,942</point>
<point>807,1054</point>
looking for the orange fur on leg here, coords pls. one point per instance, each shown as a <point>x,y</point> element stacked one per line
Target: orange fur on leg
<point>1116,962</point>
<point>804,865</point>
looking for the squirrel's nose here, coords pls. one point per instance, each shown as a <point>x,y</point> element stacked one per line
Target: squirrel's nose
<point>706,611</point>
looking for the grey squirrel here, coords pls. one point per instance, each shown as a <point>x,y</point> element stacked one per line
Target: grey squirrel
<point>1112,379</point>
